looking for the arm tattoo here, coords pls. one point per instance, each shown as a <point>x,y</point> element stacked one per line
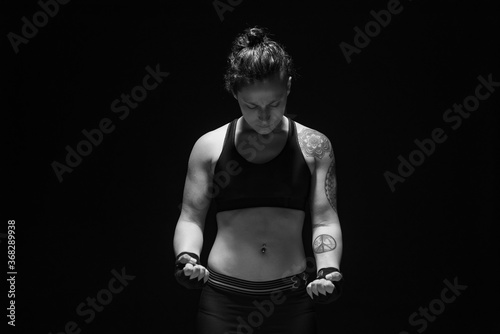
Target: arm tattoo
<point>314,143</point>
<point>324,243</point>
<point>331,186</point>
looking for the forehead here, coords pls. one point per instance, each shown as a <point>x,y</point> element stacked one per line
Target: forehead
<point>271,88</point>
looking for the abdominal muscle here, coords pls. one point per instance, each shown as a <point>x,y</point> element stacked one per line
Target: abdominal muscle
<point>243,234</point>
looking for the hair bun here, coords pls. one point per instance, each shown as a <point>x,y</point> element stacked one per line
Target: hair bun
<point>255,36</point>
<point>255,56</point>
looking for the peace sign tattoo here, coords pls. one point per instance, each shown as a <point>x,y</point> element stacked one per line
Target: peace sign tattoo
<point>324,243</point>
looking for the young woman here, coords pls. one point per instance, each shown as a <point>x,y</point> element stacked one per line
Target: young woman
<point>260,169</point>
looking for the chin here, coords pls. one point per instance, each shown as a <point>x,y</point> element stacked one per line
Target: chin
<point>264,130</point>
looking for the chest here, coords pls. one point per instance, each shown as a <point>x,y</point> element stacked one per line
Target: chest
<point>259,149</point>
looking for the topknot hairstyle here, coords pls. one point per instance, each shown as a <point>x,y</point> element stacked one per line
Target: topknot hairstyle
<point>254,56</point>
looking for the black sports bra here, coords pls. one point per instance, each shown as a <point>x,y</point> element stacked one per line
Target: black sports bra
<point>282,182</point>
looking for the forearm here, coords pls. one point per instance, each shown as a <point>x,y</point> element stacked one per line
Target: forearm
<point>327,245</point>
<point>188,237</point>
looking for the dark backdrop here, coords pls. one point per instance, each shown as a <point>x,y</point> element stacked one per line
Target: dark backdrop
<point>118,208</point>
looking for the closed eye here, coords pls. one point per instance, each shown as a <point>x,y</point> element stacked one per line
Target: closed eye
<point>271,105</point>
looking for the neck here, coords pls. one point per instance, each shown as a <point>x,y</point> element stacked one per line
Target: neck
<point>281,128</point>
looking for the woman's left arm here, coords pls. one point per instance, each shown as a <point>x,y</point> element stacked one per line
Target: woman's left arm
<point>326,231</point>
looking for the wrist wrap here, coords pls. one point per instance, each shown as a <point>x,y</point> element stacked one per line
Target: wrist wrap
<point>329,297</point>
<point>181,278</point>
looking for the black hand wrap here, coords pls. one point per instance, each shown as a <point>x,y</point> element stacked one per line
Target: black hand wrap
<point>182,278</point>
<point>329,297</point>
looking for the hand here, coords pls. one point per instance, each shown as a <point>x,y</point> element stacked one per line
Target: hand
<point>322,290</point>
<point>188,273</point>
<point>192,269</point>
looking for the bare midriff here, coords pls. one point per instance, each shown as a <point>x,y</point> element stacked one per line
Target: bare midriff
<point>258,244</point>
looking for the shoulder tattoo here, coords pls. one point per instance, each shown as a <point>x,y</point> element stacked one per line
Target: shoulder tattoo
<point>314,143</point>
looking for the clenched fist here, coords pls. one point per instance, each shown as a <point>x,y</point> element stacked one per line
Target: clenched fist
<point>188,272</point>
<point>326,288</point>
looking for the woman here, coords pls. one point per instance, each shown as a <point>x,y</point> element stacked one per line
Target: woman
<point>261,169</point>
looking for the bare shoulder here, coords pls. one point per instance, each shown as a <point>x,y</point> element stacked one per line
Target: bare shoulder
<point>209,145</point>
<point>212,137</point>
<point>313,143</point>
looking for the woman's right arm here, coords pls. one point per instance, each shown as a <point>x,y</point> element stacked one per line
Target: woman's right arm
<point>188,235</point>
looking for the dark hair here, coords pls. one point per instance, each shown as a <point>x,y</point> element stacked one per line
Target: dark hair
<point>254,56</point>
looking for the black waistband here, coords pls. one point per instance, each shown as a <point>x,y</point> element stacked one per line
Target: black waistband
<point>239,285</point>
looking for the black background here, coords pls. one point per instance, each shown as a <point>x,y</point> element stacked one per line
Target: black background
<point>119,207</point>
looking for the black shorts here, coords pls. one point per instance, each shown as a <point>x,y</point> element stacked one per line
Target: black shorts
<point>231,305</point>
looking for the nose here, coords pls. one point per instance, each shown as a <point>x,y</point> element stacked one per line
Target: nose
<point>264,115</point>
<point>264,119</point>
